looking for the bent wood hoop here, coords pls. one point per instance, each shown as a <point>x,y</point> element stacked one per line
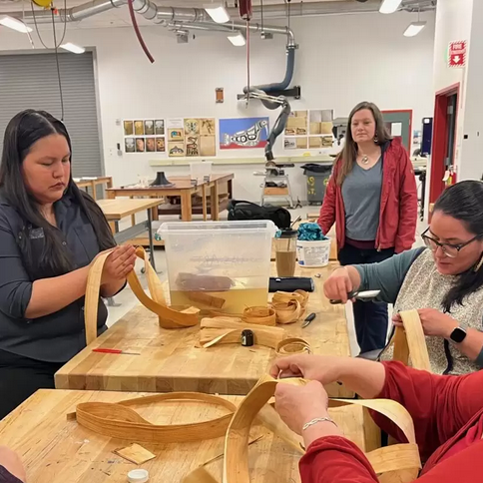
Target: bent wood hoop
<point>169,318</point>
<point>120,421</point>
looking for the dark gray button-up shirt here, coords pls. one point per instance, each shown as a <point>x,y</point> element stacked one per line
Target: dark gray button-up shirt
<point>59,336</point>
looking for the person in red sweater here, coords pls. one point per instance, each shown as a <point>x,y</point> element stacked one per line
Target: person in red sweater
<point>447,412</point>
<point>372,198</point>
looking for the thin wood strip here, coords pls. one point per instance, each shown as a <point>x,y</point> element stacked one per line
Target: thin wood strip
<point>394,458</point>
<point>168,317</point>
<point>260,315</point>
<point>391,409</point>
<point>235,469</point>
<point>286,297</point>
<point>293,345</point>
<point>227,330</point>
<point>415,340</point>
<point>288,313</point>
<point>120,421</point>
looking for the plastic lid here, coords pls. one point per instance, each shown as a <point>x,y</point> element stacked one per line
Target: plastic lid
<point>138,476</point>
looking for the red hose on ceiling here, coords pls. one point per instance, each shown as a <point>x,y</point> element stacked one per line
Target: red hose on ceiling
<point>138,33</point>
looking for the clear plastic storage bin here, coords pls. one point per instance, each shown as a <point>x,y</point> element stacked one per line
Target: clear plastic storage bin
<point>218,266</point>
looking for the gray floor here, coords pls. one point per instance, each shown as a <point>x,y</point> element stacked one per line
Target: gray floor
<point>126,299</point>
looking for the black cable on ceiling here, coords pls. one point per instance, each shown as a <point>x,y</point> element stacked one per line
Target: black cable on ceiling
<point>261,12</point>
<point>56,46</point>
<point>57,62</point>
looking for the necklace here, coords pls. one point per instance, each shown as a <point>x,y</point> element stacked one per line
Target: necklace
<point>365,159</point>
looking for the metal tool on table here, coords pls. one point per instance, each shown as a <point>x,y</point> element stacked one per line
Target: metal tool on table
<point>364,296</point>
<point>309,320</point>
<point>115,351</point>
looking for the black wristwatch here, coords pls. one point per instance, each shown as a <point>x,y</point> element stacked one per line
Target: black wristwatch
<point>458,335</point>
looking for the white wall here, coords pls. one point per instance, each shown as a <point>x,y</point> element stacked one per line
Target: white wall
<point>471,163</point>
<point>453,23</point>
<point>341,61</point>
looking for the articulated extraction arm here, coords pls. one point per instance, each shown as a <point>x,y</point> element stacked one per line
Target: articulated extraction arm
<point>281,121</point>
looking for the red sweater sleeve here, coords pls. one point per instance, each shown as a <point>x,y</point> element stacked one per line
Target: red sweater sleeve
<point>327,212</point>
<point>439,405</point>
<point>408,205</point>
<point>334,459</point>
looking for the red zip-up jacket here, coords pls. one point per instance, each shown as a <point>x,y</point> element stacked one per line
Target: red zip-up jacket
<point>399,202</point>
<point>443,409</point>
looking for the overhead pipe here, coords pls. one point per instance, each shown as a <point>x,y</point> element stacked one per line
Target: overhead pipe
<point>73,14</point>
<point>166,15</point>
<point>316,9</point>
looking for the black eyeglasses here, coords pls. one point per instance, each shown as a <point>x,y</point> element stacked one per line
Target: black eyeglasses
<point>449,250</point>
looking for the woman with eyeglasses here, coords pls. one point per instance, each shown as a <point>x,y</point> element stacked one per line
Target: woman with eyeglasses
<point>444,282</point>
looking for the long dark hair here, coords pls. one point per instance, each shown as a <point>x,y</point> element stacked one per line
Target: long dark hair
<point>464,202</point>
<point>25,129</point>
<point>348,155</point>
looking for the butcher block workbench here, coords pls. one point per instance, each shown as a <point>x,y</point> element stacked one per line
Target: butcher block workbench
<point>55,450</point>
<point>170,361</point>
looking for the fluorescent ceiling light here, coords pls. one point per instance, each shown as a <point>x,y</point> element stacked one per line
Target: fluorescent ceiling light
<point>390,6</point>
<point>217,12</point>
<point>414,29</point>
<point>13,23</point>
<point>73,48</point>
<point>237,40</point>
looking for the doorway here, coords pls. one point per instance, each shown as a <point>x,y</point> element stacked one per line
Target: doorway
<point>444,139</point>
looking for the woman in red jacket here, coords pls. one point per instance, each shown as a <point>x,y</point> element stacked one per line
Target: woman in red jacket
<point>372,198</point>
<point>447,412</point>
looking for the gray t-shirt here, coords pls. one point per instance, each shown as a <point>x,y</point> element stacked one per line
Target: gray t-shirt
<point>361,192</point>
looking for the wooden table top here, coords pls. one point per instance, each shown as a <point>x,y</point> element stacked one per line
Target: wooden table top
<point>55,450</point>
<point>180,183</point>
<point>115,209</point>
<point>170,361</point>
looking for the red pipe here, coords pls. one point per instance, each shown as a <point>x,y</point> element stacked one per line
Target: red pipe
<point>138,33</point>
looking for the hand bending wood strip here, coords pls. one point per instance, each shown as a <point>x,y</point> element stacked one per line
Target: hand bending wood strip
<point>404,461</point>
<point>168,317</point>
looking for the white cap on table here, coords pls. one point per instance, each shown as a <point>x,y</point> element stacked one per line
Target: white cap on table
<point>138,476</point>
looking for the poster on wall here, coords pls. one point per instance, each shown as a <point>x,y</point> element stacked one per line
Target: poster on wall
<point>310,129</point>
<point>297,124</point>
<point>244,133</point>
<point>144,136</point>
<point>176,149</point>
<point>179,137</point>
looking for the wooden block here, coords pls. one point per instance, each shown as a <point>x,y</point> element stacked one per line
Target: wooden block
<point>135,453</point>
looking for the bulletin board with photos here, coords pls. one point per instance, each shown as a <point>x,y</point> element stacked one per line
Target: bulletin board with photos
<point>178,137</point>
<point>144,136</point>
<point>191,137</point>
<point>309,129</point>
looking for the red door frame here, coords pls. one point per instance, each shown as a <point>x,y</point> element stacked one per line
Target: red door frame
<point>410,111</point>
<point>440,139</point>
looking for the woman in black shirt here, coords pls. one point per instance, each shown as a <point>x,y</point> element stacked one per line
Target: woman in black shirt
<point>50,232</point>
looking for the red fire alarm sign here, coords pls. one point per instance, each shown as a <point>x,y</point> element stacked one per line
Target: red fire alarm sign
<point>457,54</point>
